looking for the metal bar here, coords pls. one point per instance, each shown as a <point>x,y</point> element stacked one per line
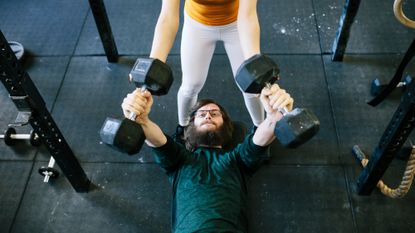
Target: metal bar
<point>27,98</point>
<point>391,142</point>
<point>342,36</point>
<point>104,29</point>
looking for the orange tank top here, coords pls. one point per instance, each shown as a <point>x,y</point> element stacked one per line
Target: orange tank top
<point>212,12</point>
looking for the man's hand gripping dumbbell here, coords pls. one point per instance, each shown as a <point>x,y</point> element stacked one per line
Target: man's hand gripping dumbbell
<point>126,135</point>
<point>297,126</point>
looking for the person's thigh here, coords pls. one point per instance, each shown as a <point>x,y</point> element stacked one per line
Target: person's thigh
<point>196,51</point>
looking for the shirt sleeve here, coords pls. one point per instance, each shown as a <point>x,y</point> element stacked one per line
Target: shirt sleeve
<point>169,156</point>
<point>250,154</point>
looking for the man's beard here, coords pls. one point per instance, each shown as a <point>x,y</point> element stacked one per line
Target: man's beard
<point>209,138</point>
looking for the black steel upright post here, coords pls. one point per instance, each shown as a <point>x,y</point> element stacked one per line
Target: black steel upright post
<point>342,36</point>
<point>104,29</point>
<point>392,140</point>
<point>30,103</point>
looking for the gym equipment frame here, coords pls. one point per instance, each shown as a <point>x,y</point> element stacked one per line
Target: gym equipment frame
<point>31,107</point>
<point>345,23</point>
<point>104,29</point>
<point>349,12</point>
<point>392,140</point>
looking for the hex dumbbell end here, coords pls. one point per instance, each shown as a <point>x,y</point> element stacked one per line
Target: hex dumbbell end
<point>124,135</point>
<point>296,127</point>
<point>256,72</point>
<point>155,75</point>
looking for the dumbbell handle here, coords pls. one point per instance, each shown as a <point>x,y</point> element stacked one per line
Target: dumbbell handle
<point>16,136</point>
<point>283,110</point>
<point>49,174</point>
<point>132,115</point>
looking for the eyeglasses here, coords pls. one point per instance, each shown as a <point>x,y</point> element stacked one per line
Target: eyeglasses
<point>213,113</point>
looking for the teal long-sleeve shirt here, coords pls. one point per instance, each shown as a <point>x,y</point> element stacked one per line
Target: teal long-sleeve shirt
<point>209,185</point>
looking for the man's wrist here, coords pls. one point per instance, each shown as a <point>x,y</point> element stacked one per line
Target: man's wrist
<point>142,120</point>
<point>274,117</point>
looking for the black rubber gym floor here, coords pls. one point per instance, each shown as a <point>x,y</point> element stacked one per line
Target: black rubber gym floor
<point>309,189</point>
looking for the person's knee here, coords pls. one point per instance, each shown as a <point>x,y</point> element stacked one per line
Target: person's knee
<point>189,91</point>
<point>250,96</point>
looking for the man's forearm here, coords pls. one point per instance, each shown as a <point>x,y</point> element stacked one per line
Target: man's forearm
<point>154,135</point>
<point>264,134</point>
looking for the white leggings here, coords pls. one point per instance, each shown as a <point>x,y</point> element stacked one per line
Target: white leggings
<point>197,47</point>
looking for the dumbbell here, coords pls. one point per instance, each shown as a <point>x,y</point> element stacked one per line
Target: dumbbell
<point>49,172</point>
<point>376,87</point>
<point>125,134</point>
<point>298,125</point>
<point>10,137</point>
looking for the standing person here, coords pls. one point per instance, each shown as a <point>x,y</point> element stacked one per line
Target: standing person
<point>235,22</point>
<point>209,183</point>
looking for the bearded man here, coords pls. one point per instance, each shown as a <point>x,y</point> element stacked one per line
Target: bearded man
<point>209,179</point>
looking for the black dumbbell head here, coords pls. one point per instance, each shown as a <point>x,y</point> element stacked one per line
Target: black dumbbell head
<point>297,127</point>
<point>34,139</point>
<point>124,135</point>
<point>8,140</point>
<point>256,72</point>
<point>154,74</point>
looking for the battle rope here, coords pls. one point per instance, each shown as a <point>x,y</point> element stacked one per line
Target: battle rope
<point>397,10</point>
<point>407,178</point>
